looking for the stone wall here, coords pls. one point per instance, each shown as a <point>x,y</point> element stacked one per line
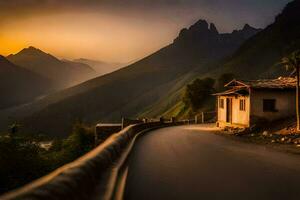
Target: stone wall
<point>89,177</point>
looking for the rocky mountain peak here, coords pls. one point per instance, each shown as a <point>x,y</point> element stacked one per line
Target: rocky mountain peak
<point>33,53</point>
<point>198,31</point>
<point>248,28</point>
<point>205,34</point>
<point>213,28</point>
<point>246,32</point>
<point>31,49</point>
<point>200,25</point>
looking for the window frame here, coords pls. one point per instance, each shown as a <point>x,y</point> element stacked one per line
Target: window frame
<point>269,105</point>
<point>242,104</point>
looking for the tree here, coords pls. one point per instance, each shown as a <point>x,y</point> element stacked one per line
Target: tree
<point>198,92</point>
<point>24,152</point>
<point>21,162</point>
<point>293,62</point>
<point>79,142</point>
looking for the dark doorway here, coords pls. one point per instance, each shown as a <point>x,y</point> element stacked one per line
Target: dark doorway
<point>228,110</point>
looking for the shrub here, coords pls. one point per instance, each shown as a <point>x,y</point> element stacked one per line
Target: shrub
<point>23,160</point>
<point>197,92</point>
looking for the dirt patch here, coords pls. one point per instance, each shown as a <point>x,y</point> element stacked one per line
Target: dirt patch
<point>280,135</point>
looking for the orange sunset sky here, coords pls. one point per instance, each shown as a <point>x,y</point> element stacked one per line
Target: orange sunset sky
<point>117,31</point>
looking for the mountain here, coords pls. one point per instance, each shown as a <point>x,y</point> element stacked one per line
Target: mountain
<point>62,73</point>
<point>202,42</point>
<point>130,90</point>
<point>263,52</point>
<point>99,66</point>
<point>258,57</point>
<point>18,85</point>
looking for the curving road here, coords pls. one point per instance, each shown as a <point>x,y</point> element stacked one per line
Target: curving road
<point>189,162</point>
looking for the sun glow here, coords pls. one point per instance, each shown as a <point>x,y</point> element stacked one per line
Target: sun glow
<point>113,38</point>
<point>10,45</point>
<point>116,31</point>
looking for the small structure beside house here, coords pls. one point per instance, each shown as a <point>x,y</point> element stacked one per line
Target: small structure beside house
<point>247,102</point>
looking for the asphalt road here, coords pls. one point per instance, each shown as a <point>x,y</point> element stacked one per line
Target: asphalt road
<point>190,162</point>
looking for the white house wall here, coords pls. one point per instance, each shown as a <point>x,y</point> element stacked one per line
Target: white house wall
<point>239,118</point>
<point>221,111</point>
<point>285,104</point>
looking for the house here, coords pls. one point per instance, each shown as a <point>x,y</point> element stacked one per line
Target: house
<point>247,102</point>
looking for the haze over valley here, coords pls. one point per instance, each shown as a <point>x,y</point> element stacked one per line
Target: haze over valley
<point>153,85</point>
<point>106,99</point>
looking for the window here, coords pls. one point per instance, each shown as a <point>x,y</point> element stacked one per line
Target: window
<point>269,105</point>
<point>242,105</point>
<point>221,103</point>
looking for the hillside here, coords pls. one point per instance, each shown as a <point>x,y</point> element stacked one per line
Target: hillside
<point>263,52</point>
<point>62,73</point>
<point>130,90</point>
<point>99,66</point>
<point>18,85</point>
<point>258,57</point>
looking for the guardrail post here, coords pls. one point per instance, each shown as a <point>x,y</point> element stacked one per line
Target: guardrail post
<point>122,123</point>
<point>202,117</point>
<point>161,120</point>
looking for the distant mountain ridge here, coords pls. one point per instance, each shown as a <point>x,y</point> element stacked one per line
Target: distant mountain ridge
<point>263,52</point>
<point>18,85</point>
<point>211,42</point>
<point>130,90</point>
<point>63,73</point>
<point>100,67</point>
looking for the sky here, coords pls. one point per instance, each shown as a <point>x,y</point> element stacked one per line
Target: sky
<point>118,30</point>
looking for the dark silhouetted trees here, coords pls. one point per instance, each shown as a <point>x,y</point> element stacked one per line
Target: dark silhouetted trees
<point>197,92</point>
<point>22,159</point>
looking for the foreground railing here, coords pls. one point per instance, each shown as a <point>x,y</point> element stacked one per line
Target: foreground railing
<point>92,176</point>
